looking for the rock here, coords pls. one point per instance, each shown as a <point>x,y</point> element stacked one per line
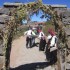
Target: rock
<point>67,66</point>
<point>68,43</point>
<point>2,60</point>
<point>1,50</point>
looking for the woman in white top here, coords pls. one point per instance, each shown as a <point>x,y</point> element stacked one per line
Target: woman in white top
<point>42,41</point>
<point>41,34</point>
<point>51,42</point>
<point>29,34</point>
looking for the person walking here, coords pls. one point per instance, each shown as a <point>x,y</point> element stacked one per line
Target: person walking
<point>28,38</point>
<point>29,34</point>
<point>42,41</point>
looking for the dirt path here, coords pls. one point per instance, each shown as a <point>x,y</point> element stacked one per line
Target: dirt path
<point>20,55</point>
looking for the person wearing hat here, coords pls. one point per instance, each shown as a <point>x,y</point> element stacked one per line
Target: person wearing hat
<point>51,42</point>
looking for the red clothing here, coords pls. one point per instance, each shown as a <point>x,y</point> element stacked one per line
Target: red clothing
<point>39,31</point>
<point>51,32</point>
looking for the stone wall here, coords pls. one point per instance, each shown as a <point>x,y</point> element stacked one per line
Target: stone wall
<point>2,58</point>
<point>64,13</point>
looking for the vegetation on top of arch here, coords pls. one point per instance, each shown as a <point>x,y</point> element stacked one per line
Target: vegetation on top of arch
<point>26,10</point>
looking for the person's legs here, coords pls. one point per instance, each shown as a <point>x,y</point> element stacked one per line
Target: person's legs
<point>40,45</point>
<point>43,44</point>
<point>27,42</point>
<point>30,42</point>
<point>47,52</point>
<point>53,57</point>
<point>33,41</point>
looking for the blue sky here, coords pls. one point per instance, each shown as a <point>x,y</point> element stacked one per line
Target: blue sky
<point>37,18</point>
<point>67,2</point>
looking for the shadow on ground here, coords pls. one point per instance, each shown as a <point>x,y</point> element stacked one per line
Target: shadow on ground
<point>32,66</point>
<point>36,45</point>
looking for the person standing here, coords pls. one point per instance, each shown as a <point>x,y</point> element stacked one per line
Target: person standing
<point>29,37</point>
<point>42,41</point>
<point>52,42</point>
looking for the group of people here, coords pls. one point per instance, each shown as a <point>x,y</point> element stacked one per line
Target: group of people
<point>30,37</point>
<point>45,44</point>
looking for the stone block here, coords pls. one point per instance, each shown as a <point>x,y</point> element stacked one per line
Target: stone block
<point>1,50</point>
<point>2,61</point>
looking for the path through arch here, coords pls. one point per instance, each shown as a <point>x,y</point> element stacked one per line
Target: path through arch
<point>22,58</point>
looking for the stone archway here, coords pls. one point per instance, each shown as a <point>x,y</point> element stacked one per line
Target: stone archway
<point>1,50</point>
<point>22,11</point>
